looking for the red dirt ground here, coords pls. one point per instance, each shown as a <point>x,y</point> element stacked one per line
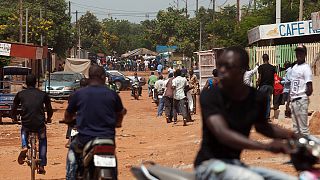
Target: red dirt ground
<point>143,137</point>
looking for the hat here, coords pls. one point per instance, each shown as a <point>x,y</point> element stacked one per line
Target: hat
<point>302,48</point>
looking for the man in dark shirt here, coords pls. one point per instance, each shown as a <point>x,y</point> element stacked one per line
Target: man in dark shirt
<point>229,111</point>
<point>98,111</point>
<point>266,80</point>
<point>33,103</point>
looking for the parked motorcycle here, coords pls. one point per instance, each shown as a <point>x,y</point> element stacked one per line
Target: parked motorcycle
<point>306,153</point>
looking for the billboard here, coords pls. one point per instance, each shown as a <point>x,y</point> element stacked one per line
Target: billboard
<point>281,30</point>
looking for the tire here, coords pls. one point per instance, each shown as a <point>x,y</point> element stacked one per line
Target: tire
<point>119,85</point>
<point>104,174</point>
<point>136,94</point>
<point>33,167</point>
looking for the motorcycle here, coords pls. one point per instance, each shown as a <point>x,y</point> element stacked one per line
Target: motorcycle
<point>306,153</point>
<point>135,90</point>
<point>97,159</point>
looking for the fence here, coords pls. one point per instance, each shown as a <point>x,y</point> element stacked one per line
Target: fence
<point>280,54</point>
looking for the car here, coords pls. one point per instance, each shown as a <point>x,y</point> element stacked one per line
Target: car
<point>122,82</point>
<point>62,84</point>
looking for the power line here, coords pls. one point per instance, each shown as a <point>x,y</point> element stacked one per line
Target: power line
<point>101,8</point>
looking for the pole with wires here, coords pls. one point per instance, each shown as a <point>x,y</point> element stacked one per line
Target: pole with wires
<point>197,6</point>
<point>20,21</point>
<point>27,17</point>
<point>301,10</point>
<point>213,10</point>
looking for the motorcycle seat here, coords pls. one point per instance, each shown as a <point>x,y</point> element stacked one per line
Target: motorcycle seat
<point>169,173</point>
<point>95,142</point>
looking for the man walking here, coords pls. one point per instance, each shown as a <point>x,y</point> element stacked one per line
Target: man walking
<point>179,84</point>
<point>168,98</point>
<point>33,103</point>
<point>301,88</point>
<point>159,88</point>
<point>193,84</point>
<point>266,80</point>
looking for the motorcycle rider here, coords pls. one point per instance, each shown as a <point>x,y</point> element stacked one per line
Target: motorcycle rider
<point>136,81</point>
<point>98,112</point>
<point>83,83</point>
<point>152,80</point>
<point>229,111</point>
<point>33,102</point>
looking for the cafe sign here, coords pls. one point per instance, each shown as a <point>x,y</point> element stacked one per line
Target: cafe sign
<point>281,30</point>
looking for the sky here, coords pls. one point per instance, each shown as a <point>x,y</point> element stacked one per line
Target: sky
<point>137,10</point>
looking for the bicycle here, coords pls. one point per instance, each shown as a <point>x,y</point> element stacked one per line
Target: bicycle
<point>33,155</point>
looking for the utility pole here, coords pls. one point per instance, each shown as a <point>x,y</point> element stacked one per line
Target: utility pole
<point>70,10</point>
<point>197,5</point>
<point>213,9</point>
<point>20,20</point>
<point>26,38</point>
<point>79,40</point>
<point>177,4</point>
<point>301,10</point>
<point>200,38</point>
<point>278,11</point>
<point>186,8</point>
<point>41,36</point>
<point>238,11</point>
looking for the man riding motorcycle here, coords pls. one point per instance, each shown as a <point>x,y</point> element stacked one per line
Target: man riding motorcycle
<point>33,103</point>
<point>152,80</point>
<point>229,110</point>
<point>98,112</point>
<point>136,81</point>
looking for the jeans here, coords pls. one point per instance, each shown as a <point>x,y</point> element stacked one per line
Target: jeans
<point>299,113</point>
<point>42,137</point>
<point>268,90</point>
<point>168,103</point>
<point>73,158</point>
<point>180,106</point>
<point>234,170</point>
<point>161,106</point>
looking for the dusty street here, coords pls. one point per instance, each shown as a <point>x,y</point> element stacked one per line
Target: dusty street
<point>143,137</point>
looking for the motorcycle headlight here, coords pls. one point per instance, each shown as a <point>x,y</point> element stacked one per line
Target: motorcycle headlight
<point>68,88</point>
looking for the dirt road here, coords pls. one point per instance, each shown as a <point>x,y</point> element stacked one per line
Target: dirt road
<point>143,137</point>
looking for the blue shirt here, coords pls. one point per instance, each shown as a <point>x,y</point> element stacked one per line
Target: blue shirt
<point>96,108</point>
<point>159,68</point>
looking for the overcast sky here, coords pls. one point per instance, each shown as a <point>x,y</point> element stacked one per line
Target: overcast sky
<point>137,10</point>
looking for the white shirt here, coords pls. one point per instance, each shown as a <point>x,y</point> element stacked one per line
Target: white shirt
<point>247,77</point>
<point>179,83</point>
<point>170,70</point>
<point>159,85</point>
<point>300,76</point>
<point>146,63</point>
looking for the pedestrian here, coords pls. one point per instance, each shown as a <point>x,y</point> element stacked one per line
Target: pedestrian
<point>194,86</point>
<point>146,65</point>
<point>277,92</point>
<point>301,89</point>
<point>184,71</point>
<point>168,98</point>
<point>212,82</point>
<point>286,81</point>
<point>179,84</point>
<point>266,80</point>
<point>160,68</point>
<point>171,70</point>
<point>159,90</point>
<point>248,75</point>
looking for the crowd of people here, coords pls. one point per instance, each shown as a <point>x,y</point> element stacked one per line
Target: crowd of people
<point>230,107</point>
<point>176,94</point>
